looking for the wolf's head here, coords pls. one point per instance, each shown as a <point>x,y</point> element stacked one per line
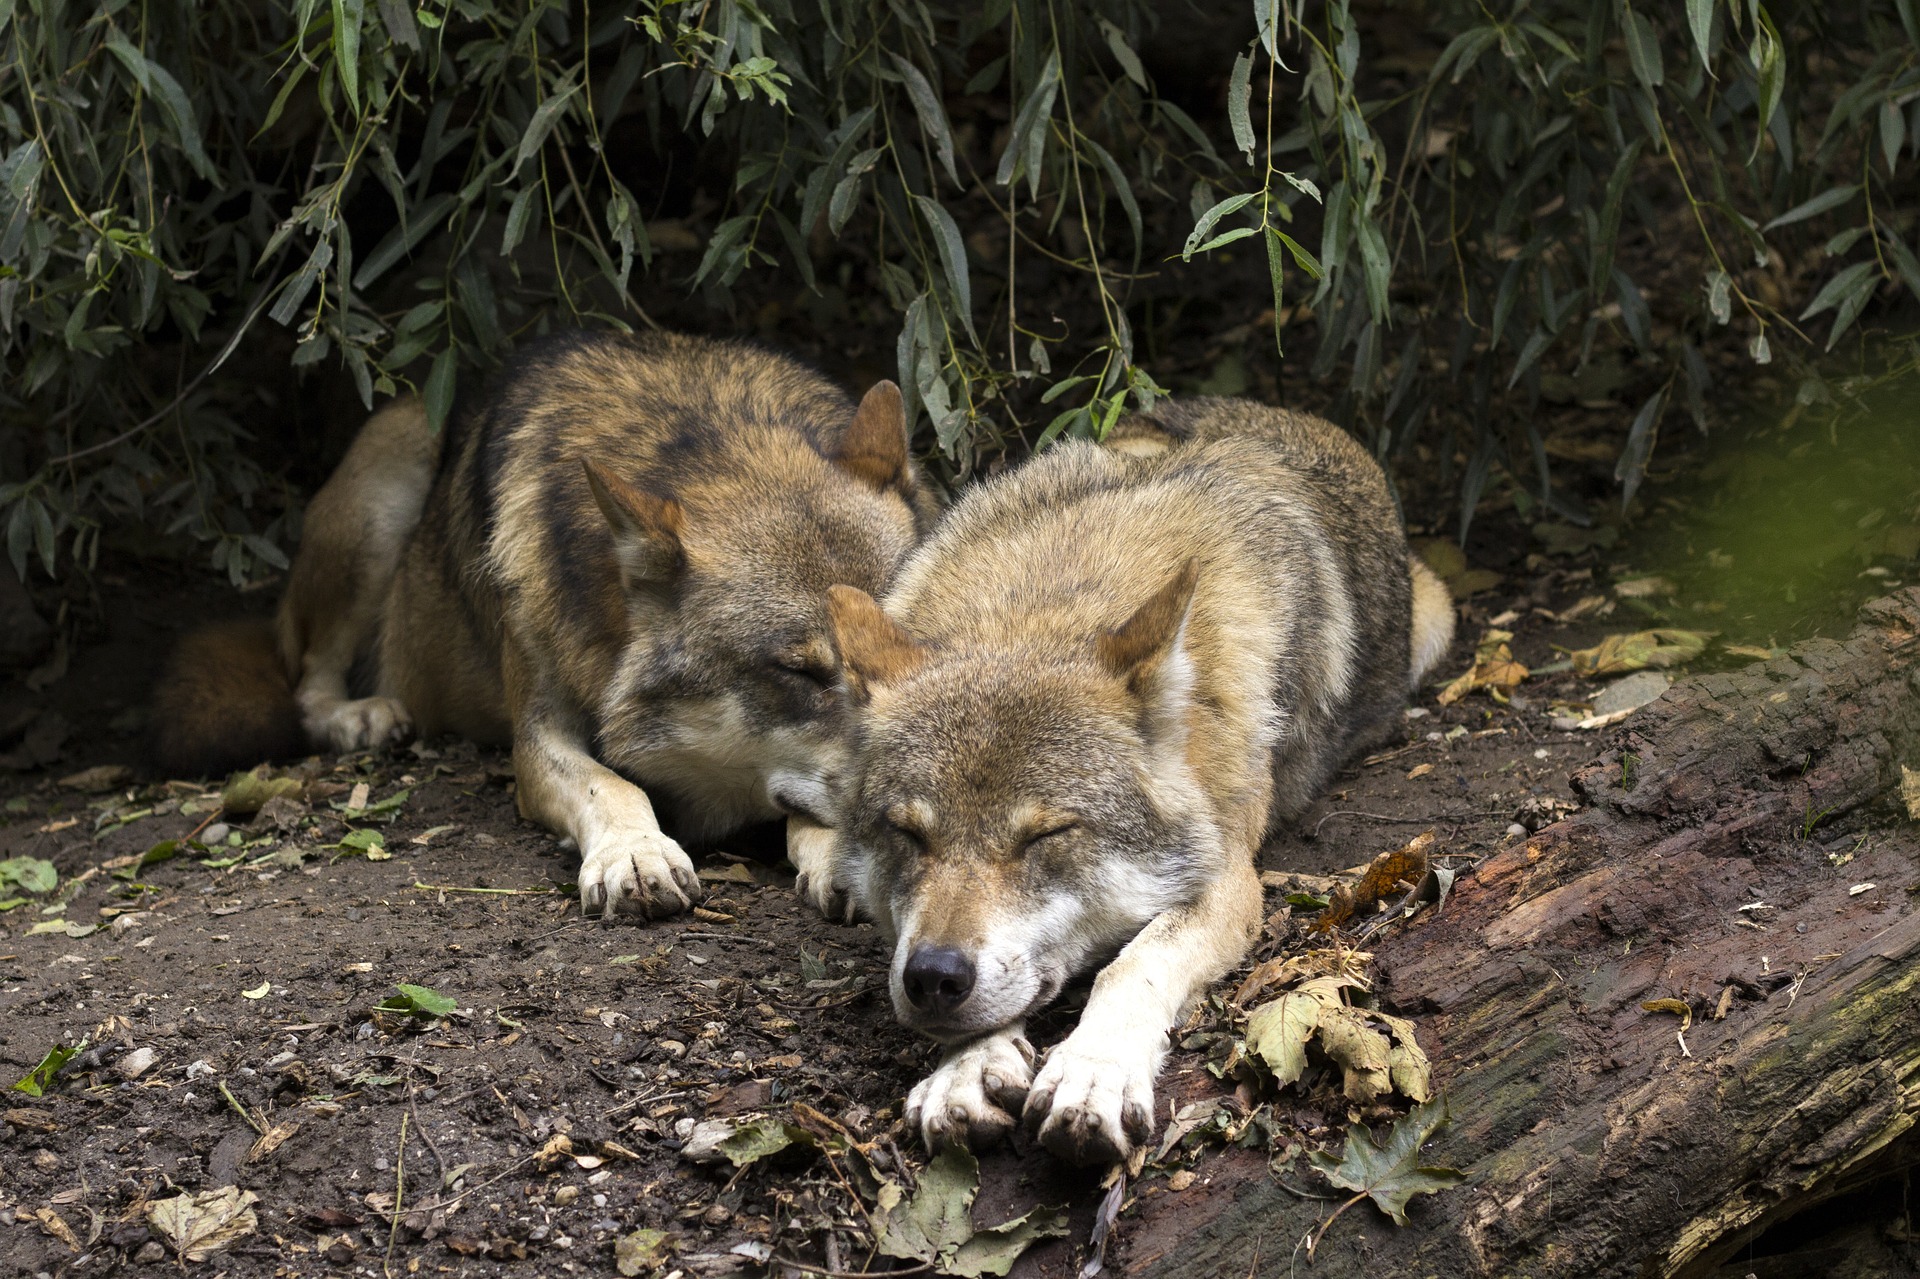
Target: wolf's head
<point>726,695</point>
<point>1017,811</point>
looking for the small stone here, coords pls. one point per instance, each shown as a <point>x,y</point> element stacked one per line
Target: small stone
<point>151,1253</point>
<point>718,1215</point>
<point>216,833</point>
<point>135,1063</point>
<point>600,1201</point>
<point>1180,1180</point>
<point>566,1195</point>
<point>1517,831</point>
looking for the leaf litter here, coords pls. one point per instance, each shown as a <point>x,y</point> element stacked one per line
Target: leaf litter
<point>196,1226</point>
<point>1390,1174</point>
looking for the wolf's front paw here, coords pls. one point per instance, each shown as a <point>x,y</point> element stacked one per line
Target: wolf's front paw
<point>971,1099</point>
<point>810,847</point>
<point>366,723</point>
<point>637,874</point>
<point>1091,1107</point>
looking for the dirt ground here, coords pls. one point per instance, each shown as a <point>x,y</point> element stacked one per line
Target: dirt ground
<point>227,995</point>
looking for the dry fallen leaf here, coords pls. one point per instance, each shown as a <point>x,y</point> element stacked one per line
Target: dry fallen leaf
<point>1910,791</point>
<point>1493,669</point>
<point>196,1226</point>
<point>1660,647</point>
<point>1180,1180</point>
<point>1419,770</point>
<point>1385,873</point>
<point>1678,1007</point>
<point>56,1225</point>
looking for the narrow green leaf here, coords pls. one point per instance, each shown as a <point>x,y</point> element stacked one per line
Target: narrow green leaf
<point>1123,53</point>
<point>929,111</point>
<point>41,1077</point>
<point>346,47</point>
<point>1239,97</point>
<point>1204,227</point>
<point>438,392</point>
<point>1893,132</point>
<point>1643,49</point>
<point>1123,190</point>
<point>1700,22</point>
<point>953,258</point>
<point>1831,198</point>
<point>1275,276</point>
<point>1026,141</point>
<point>414,227</point>
<point>545,116</point>
<point>1839,287</point>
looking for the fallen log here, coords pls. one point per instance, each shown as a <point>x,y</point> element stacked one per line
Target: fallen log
<point>1744,852</point>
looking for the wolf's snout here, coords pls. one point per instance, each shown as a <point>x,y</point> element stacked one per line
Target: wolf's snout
<point>938,979</point>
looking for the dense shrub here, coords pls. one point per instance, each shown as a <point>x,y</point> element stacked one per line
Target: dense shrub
<point>1455,204</point>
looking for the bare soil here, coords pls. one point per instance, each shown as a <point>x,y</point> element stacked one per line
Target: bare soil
<point>252,986</point>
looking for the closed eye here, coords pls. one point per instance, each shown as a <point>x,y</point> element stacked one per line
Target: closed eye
<point>1061,828</point>
<point>799,670</point>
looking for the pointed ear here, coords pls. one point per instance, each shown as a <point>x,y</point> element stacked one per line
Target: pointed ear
<point>646,527</point>
<point>871,646</point>
<point>1134,649</point>
<point>874,448</point>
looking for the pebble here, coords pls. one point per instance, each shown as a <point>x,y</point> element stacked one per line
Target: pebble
<point>1517,831</point>
<point>151,1253</point>
<point>200,1069</point>
<point>683,1128</point>
<point>599,1201</point>
<point>566,1195</point>
<point>216,833</point>
<point>381,1164</point>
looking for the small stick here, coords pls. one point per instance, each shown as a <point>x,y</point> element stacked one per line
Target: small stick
<point>807,1267</point>
<point>502,892</point>
<point>399,1190</point>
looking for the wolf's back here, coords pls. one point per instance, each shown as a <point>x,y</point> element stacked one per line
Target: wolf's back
<point>224,702</point>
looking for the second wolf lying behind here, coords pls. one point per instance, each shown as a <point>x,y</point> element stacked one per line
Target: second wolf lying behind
<point>1090,695</point>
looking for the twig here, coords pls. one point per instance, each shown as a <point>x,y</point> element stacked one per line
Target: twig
<point>426,1135</point>
<point>399,1190</point>
<point>1388,817</point>
<point>1313,1240</point>
<point>502,892</point>
<point>807,1267</point>
<point>758,941</point>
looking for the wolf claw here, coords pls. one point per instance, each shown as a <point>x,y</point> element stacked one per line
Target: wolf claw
<point>971,1099</point>
<point>647,875</point>
<point>1089,1109</point>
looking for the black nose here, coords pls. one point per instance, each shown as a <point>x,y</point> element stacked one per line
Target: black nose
<point>938,978</point>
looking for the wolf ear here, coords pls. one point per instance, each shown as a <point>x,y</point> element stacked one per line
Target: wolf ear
<point>871,646</point>
<point>874,448</point>
<point>1136,648</point>
<point>646,527</point>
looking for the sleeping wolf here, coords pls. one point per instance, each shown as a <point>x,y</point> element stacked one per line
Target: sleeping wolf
<point>620,565</point>
<point>1090,695</point>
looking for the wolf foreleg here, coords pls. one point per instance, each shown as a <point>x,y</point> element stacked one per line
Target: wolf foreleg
<point>627,866</point>
<point>1092,1101</point>
<point>971,1098</point>
<point>811,848</point>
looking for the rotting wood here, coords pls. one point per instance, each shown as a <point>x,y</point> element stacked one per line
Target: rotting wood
<point>1595,1145</point>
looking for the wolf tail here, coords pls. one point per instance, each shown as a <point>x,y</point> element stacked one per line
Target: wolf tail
<point>224,702</point>
<point>1432,619</point>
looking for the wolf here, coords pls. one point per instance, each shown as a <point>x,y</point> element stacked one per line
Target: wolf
<point>1085,702</point>
<point>617,562</point>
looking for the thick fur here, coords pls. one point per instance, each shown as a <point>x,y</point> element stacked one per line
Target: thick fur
<point>617,561</point>
<point>1088,698</point>
<point>224,698</point>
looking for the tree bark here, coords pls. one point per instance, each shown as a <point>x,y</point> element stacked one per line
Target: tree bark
<point>1595,1143</point>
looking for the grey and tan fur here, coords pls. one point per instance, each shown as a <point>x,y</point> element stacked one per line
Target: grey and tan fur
<point>618,561</point>
<point>1090,695</point>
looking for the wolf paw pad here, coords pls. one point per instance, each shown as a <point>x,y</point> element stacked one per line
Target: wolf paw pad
<point>367,723</point>
<point>1090,1109</point>
<point>646,875</point>
<point>972,1098</point>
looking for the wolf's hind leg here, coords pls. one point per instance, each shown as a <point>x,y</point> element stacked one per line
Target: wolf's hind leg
<point>357,527</point>
<point>1093,1099</point>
